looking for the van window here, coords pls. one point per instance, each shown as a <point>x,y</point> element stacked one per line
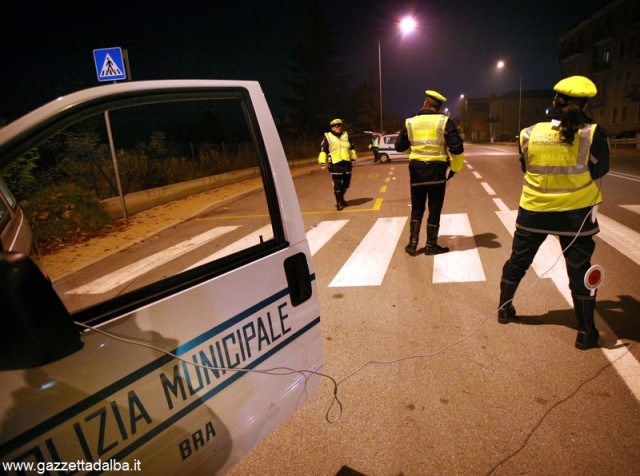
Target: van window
<point>4,216</point>
<point>159,153</point>
<point>7,195</point>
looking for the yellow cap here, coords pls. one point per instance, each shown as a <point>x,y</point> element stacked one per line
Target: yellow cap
<point>576,87</point>
<point>435,95</point>
<point>335,121</point>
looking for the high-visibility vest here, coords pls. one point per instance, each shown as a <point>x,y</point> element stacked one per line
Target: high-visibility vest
<point>339,147</point>
<point>557,174</point>
<point>426,134</point>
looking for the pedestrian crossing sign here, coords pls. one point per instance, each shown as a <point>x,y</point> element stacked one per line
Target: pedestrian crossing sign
<point>109,64</point>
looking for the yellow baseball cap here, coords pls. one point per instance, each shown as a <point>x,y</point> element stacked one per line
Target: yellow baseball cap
<point>435,95</point>
<point>335,121</point>
<point>576,87</point>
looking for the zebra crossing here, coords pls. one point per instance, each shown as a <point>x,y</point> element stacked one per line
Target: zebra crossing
<point>369,262</point>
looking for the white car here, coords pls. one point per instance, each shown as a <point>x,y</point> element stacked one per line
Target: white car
<point>386,148</point>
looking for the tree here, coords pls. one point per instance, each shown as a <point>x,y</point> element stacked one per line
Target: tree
<point>19,174</point>
<point>367,104</point>
<point>319,88</point>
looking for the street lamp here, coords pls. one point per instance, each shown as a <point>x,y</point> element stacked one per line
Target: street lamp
<point>501,65</point>
<point>407,25</point>
<point>463,121</point>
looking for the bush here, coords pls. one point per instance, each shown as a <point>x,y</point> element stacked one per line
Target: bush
<point>64,213</point>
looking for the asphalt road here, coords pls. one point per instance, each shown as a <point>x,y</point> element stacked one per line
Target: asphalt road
<point>428,381</point>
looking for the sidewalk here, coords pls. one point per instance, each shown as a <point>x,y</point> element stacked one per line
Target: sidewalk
<point>145,224</point>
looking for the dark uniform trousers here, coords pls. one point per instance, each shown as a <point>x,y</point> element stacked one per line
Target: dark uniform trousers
<point>341,176</point>
<point>577,252</point>
<point>428,181</point>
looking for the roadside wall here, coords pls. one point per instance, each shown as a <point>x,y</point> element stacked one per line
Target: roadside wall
<point>145,199</point>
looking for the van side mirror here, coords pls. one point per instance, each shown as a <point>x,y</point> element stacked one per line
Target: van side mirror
<point>35,327</point>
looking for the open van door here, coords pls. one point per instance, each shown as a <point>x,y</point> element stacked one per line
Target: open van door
<point>158,357</point>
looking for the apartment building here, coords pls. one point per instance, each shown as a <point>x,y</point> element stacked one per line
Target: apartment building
<point>606,48</point>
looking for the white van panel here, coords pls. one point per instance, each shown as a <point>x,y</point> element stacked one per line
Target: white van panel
<point>116,402</point>
<point>386,148</point>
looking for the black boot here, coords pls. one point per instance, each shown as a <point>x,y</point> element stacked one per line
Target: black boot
<point>340,203</point>
<point>432,247</point>
<point>506,311</point>
<point>587,333</point>
<point>414,235</point>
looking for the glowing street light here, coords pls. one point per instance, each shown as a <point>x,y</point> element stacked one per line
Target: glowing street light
<point>464,115</point>
<point>501,65</point>
<point>406,25</point>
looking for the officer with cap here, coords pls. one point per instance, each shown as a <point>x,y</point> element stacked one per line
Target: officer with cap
<point>436,153</point>
<point>338,150</point>
<point>561,160</point>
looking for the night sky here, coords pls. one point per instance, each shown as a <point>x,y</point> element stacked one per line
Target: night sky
<point>47,45</point>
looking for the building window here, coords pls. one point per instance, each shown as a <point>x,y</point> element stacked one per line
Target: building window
<point>606,55</point>
<point>614,115</point>
<point>621,50</point>
<point>623,114</point>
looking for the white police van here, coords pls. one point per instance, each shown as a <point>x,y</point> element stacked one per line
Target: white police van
<point>386,148</point>
<point>182,365</point>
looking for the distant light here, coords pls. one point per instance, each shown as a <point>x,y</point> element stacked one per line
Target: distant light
<point>407,25</point>
<point>501,64</point>
<point>462,96</point>
<point>47,385</point>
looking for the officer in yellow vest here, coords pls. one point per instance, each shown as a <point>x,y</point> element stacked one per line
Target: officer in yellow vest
<point>436,154</point>
<point>338,150</point>
<point>561,161</point>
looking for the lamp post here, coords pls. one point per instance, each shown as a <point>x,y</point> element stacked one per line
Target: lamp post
<point>407,25</point>
<point>463,121</point>
<point>501,65</point>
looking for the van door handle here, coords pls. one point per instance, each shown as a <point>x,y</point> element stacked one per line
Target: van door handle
<point>296,269</point>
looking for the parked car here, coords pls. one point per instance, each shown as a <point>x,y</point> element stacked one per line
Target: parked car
<point>386,147</point>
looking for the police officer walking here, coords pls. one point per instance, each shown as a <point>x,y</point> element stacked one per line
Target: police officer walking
<point>436,154</point>
<point>338,150</point>
<point>375,144</point>
<point>561,160</point>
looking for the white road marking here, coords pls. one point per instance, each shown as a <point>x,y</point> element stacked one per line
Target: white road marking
<point>632,208</point>
<point>487,188</point>
<point>370,260</point>
<point>457,266</point>
<point>319,235</point>
<point>138,268</point>
<point>252,239</point>
<point>622,238</point>
<point>634,178</point>
<point>500,205</point>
